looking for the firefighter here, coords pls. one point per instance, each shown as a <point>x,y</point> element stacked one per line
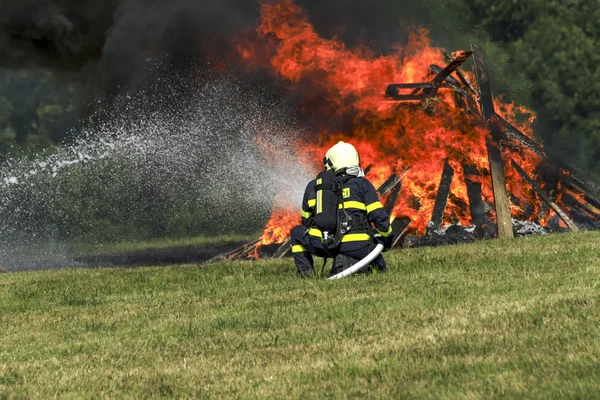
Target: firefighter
<point>357,210</point>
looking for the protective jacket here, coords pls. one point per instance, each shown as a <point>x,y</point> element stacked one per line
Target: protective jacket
<point>360,201</point>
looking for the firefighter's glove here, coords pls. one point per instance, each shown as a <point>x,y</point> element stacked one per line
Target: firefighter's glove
<point>387,242</point>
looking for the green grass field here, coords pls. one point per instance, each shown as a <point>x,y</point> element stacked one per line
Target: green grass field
<point>517,319</point>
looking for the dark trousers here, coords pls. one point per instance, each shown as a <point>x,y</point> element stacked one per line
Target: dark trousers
<point>312,245</point>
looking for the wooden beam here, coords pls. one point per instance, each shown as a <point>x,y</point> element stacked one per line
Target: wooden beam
<point>392,199</point>
<point>428,89</point>
<point>283,249</point>
<point>400,226</point>
<point>447,71</point>
<point>235,252</point>
<point>388,185</point>
<point>478,218</point>
<point>545,197</point>
<point>441,199</point>
<point>573,202</point>
<point>503,217</point>
<point>462,76</point>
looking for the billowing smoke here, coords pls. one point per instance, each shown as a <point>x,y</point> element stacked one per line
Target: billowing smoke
<point>111,43</point>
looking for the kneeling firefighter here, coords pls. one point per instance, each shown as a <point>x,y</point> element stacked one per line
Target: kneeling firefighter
<point>339,210</point>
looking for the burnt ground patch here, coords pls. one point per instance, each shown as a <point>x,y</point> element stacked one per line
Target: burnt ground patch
<point>190,254</point>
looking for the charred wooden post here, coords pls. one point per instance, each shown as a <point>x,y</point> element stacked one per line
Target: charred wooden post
<point>441,199</point>
<point>399,227</point>
<point>392,199</point>
<point>545,197</point>
<point>473,181</point>
<point>503,217</point>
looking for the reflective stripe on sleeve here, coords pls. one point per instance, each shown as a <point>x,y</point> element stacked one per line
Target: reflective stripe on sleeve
<point>355,237</point>
<point>385,234</point>
<point>374,206</point>
<point>312,202</point>
<point>306,214</point>
<point>298,249</point>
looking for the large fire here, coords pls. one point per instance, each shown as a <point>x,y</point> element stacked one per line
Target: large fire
<point>350,83</point>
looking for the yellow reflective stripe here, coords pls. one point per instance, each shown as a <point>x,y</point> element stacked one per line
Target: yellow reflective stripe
<point>315,232</point>
<point>319,202</point>
<point>312,202</point>
<point>354,204</point>
<point>306,214</point>
<point>355,237</point>
<point>298,249</point>
<point>386,234</point>
<point>374,206</point>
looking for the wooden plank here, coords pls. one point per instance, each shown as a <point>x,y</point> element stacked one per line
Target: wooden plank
<point>235,252</point>
<point>441,198</point>
<point>283,249</point>
<point>473,181</point>
<point>429,89</point>
<point>501,203</point>
<point>545,197</point>
<point>388,185</point>
<point>462,76</point>
<point>450,80</point>
<point>399,227</point>
<point>392,199</point>
<point>573,202</point>
<point>446,72</point>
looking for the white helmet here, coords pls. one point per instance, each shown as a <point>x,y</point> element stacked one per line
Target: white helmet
<point>341,155</point>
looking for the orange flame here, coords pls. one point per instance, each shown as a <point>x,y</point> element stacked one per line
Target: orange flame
<point>277,229</point>
<point>349,84</point>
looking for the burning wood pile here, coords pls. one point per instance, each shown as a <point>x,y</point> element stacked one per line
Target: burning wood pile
<point>451,162</point>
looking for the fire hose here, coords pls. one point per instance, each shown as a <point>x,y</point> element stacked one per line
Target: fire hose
<point>361,264</point>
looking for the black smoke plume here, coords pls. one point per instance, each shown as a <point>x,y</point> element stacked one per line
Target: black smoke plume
<point>113,44</point>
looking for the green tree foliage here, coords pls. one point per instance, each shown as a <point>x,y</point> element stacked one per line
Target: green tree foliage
<point>554,43</point>
<point>36,109</point>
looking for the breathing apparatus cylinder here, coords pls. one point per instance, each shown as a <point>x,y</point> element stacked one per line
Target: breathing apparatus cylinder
<point>328,191</point>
